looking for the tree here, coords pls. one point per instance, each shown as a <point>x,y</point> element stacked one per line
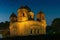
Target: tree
<point>4,25</point>
<point>49,30</point>
<point>56,25</point>
<point>1,25</point>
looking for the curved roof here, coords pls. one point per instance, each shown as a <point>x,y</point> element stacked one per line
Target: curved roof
<point>41,12</point>
<point>25,7</point>
<point>13,15</point>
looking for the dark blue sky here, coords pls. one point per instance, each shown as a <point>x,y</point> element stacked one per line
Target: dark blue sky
<point>51,8</point>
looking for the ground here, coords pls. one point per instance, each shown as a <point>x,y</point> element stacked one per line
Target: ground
<point>34,37</point>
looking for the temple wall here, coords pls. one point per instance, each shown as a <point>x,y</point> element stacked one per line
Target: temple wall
<point>27,28</point>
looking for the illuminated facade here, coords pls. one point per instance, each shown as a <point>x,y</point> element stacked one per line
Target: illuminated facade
<point>24,24</point>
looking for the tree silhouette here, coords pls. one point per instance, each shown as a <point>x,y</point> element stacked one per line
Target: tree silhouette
<point>4,25</point>
<point>1,24</point>
<point>56,25</point>
<point>49,30</point>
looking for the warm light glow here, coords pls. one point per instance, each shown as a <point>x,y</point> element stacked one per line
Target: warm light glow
<point>24,26</point>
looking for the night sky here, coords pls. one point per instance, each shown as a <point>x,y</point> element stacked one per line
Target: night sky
<point>51,8</point>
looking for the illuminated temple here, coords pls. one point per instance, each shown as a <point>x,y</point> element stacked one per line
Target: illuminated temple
<point>24,23</point>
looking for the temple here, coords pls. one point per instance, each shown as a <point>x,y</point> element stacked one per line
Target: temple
<point>23,24</point>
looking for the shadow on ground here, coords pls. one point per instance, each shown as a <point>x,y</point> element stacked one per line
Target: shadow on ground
<point>33,37</point>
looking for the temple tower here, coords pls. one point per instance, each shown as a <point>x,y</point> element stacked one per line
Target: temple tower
<point>41,18</point>
<point>31,15</point>
<point>23,13</point>
<point>13,18</point>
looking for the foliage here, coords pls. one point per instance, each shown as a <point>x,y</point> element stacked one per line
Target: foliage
<point>56,25</point>
<point>4,25</point>
<point>54,28</point>
<point>49,30</point>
